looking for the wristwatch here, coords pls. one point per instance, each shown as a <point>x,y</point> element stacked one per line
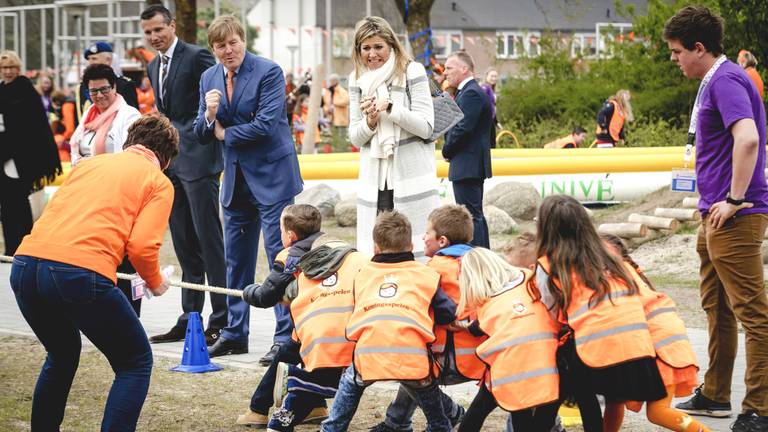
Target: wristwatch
<point>733,201</point>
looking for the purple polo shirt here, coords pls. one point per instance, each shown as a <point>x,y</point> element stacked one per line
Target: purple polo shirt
<point>729,97</point>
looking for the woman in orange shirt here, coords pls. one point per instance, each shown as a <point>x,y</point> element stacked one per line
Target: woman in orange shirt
<point>64,272</point>
<point>748,61</point>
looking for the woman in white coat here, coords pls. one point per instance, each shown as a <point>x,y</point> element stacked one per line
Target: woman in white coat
<point>104,126</point>
<point>391,116</point>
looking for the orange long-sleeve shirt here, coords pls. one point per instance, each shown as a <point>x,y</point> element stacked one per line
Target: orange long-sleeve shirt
<point>110,205</point>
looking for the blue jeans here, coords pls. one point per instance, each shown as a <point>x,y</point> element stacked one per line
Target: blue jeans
<point>400,411</point>
<point>351,390</point>
<point>59,301</point>
<point>244,219</point>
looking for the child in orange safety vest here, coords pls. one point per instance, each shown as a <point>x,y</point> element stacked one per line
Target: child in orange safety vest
<point>397,303</point>
<point>520,353</point>
<point>446,240</point>
<point>675,359</point>
<point>607,347</point>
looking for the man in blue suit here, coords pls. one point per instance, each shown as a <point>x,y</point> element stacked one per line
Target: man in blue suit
<point>242,105</point>
<point>468,144</point>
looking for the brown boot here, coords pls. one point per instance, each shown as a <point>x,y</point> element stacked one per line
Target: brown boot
<point>316,416</point>
<point>253,419</point>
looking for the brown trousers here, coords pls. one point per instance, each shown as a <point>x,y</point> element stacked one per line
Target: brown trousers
<point>732,289</point>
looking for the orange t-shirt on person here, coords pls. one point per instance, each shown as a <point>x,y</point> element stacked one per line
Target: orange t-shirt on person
<point>109,206</point>
<point>755,77</point>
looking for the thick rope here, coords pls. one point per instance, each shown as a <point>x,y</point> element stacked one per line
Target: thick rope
<point>187,285</point>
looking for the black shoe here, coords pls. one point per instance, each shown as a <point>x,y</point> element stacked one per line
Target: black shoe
<point>382,427</point>
<point>212,335</point>
<point>266,360</point>
<point>702,405</point>
<point>224,347</point>
<point>174,335</point>
<point>750,422</point>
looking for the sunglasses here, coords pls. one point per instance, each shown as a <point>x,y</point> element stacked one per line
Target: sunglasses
<point>103,90</point>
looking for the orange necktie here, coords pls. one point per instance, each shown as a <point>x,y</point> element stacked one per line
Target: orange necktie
<point>230,84</point>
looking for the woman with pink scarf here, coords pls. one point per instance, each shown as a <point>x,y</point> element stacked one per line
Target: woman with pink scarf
<point>104,126</point>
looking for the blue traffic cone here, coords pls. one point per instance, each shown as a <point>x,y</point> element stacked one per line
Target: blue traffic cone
<point>195,357</point>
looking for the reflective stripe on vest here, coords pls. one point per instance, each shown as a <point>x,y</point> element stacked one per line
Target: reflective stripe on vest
<point>668,332</point>
<point>392,320</point>
<point>321,310</point>
<point>464,343</point>
<point>521,349</point>
<point>606,332</point>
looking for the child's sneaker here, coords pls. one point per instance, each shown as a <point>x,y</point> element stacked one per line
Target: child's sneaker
<point>702,405</point>
<point>281,385</point>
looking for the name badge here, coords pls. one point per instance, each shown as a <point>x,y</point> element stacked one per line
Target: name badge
<point>683,180</point>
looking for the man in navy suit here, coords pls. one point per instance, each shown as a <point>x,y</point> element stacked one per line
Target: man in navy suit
<point>242,105</point>
<point>467,145</point>
<point>195,225</point>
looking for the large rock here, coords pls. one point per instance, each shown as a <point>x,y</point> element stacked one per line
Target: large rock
<point>518,200</point>
<point>346,212</point>
<point>499,222</point>
<point>321,196</point>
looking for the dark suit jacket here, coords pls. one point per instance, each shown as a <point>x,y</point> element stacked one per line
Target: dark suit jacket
<point>257,134</point>
<point>187,66</point>
<point>468,144</point>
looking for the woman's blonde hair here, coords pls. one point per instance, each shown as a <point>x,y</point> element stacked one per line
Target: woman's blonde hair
<point>483,274</point>
<point>10,59</point>
<point>376,26</point>
<point>622,97</point>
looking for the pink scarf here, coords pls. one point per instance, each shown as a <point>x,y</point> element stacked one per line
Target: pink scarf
<point>98,122</point>
<point>143,151</point>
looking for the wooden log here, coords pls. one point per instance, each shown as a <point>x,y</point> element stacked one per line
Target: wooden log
<point>690,202</point>
<point>655,222</point>
<point>624,230</point>
<point>681,214</point>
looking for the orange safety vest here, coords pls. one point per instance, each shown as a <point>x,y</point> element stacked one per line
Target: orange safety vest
<point>561,142</point>
<point>464,342</point>
<point>320,312</point>
<point>392,320</point>
<point>521,350</point>
<point>617,122</point>
<point>668,333</point>
<point>610,331</point>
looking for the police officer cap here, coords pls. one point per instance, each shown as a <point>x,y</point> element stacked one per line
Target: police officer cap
<point>98,47</point>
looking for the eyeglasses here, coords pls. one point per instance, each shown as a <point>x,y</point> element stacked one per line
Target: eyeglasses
<point>103,90</point>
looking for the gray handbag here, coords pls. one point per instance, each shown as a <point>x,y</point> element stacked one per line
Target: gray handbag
<point>447,112</point>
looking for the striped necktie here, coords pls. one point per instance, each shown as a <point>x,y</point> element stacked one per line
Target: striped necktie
<point>163,76</point>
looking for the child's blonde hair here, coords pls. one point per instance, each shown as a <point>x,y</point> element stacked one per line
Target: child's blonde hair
<point>523,249</point>
<point>483,274</point>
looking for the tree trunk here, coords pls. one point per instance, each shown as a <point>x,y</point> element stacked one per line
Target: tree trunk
<point>186,20</point>
<point>315,95</point>
<point>417,24</point>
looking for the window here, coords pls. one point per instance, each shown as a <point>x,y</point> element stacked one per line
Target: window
<point>444,42</point>
<point>610,34</point>
<point>583,44</point>
<point>512,45</point>
<point>343,42</point>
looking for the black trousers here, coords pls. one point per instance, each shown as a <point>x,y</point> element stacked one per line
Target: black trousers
<point>540,419</point>
<point>198,241</point>
<point>15,211</point>
<point>469,193</point>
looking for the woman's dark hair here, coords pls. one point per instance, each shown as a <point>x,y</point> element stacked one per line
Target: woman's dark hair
<point>570,242</point>
<point>693,24</point>
<point>97,72</point>
<point>619,245</point>
<point>153,10</point>
<point>155,132</point>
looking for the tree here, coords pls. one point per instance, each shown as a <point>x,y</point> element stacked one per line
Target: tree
<point>416,15</point>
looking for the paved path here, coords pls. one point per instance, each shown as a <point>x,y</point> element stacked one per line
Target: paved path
<point>160,313</point>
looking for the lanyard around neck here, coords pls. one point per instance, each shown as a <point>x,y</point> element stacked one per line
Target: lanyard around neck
<point>697,105</point>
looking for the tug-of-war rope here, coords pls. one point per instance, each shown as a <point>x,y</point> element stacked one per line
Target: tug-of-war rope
<point>187,285</point>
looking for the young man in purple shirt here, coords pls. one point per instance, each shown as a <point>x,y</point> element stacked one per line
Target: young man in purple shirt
<point>730,163</point>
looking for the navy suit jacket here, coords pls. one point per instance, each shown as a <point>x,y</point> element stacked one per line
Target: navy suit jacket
<point>187,65</point>
<point>468,144</point>
<point>257,135</point>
